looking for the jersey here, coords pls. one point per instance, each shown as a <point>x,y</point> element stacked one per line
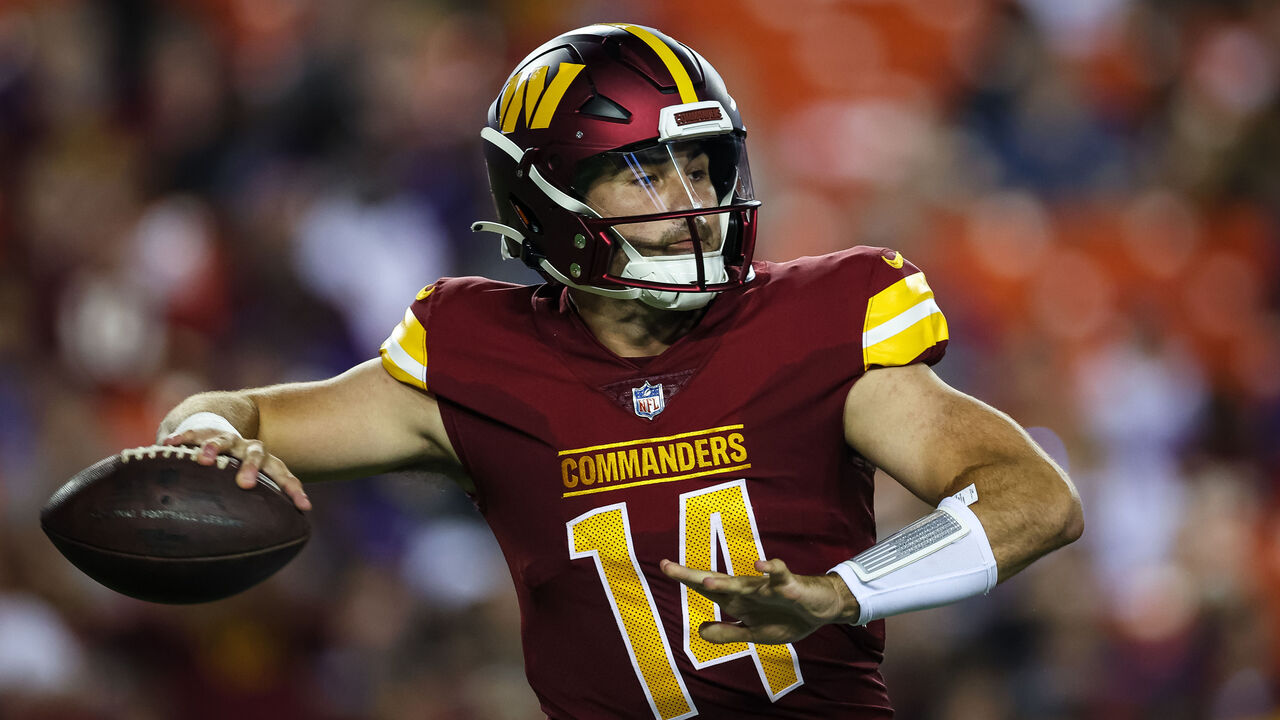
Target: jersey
<point>725,449</point>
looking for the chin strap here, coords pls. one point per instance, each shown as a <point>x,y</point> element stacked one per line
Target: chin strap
<point>665,300</point>
<point>621,293</point>
<point>679,301</point>
<point>510,234</point>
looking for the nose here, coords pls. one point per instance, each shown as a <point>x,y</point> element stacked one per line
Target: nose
<point>677,197</point>
<point>679,194</point>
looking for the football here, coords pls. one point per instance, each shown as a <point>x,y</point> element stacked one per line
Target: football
<point>154,524</point>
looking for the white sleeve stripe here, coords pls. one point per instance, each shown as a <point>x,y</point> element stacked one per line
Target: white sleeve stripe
<point>404,361</point>
<point>900,322</point>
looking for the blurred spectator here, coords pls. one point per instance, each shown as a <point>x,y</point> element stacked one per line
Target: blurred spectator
<point>347,238</point>
<point>1141,400</point>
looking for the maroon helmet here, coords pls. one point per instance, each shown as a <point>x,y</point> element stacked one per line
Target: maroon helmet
<point>618,165</point>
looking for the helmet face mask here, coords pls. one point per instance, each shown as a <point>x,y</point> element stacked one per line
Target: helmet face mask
<point>672,186</point>
<point>618,166</point>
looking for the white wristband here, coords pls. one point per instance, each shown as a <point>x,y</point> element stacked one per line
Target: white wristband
<point>939,559</point>
<point>206,421</point>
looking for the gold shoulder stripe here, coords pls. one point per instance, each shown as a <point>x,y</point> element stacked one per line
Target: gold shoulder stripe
<point>684,83</point>
<point>394,370</point>
<point>903,320</point>
<point>411,337</point>
<point>908,344</point>
<point>404,354</point>
<point>898,297</point>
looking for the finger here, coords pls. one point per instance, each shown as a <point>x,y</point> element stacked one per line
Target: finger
<point>195,436</point>
<point>713,585</point>
<point>289,483</point>
<point>700,580</point>
<point>250,463</point>
<point>773,566</point>
<point>212,446</point>
<point>723,632</point>
<point>737,584</point>
<point>686,575</point>
<point>693,579</point>
<point>782,582</point>
<point>778,572</point>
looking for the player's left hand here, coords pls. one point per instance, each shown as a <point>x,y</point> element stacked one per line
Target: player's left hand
<point>776,607</point>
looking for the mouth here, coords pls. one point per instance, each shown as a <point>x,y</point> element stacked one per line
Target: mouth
<point>680,247</point>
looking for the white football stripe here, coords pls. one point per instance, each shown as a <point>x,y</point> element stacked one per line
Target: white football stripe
<point>900,322</point>
<point>404,361</point>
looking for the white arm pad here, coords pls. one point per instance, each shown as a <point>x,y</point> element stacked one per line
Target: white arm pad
<point>205,421</point>
<point>939,559</point>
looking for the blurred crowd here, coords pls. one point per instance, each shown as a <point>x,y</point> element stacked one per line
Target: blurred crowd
<point>200,194</point>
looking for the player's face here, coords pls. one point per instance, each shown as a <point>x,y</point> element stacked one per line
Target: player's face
<point>667,178</point>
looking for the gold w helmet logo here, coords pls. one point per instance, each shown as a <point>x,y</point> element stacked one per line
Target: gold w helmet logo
<point>529,91</point>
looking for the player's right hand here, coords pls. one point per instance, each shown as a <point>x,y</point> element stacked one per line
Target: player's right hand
<point>252,456</point>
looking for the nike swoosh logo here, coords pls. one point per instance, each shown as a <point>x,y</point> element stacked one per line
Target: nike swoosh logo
<point>896,262</point>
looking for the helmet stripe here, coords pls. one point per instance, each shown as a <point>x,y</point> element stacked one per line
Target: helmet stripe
<point>533,91</point>
<point>559,84</point>
<point>684,83</point>
<point>528,86</point>
<point>529,93</point>
<point>507,94</point>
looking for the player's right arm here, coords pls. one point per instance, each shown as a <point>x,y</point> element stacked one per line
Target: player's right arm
<point>359,423</point>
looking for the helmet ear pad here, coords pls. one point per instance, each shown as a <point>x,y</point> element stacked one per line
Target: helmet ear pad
<point>524,204</point>
<point>732,248</point>
<point>502,172</point>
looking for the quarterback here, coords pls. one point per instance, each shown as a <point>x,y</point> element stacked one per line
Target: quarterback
<point>674,445</point>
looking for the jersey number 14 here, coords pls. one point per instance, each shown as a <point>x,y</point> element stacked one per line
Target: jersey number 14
<point>715,522</point>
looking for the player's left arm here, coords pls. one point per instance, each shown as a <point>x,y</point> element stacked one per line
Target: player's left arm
<point>936,440</point>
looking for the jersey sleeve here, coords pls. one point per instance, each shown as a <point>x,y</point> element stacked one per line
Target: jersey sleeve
<point>903,323</point>
<point>404,353</point>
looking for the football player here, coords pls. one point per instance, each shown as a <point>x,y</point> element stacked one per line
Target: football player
<point>674,445</point>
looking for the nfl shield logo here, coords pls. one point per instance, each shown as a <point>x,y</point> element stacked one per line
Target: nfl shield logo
<point>648,400</point>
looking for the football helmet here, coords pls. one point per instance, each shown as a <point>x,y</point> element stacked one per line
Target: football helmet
<point>618,166</point>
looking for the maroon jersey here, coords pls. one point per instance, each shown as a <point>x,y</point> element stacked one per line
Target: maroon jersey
<point>725,449</point>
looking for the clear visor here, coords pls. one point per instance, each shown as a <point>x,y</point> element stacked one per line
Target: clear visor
<point>684,182</point>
